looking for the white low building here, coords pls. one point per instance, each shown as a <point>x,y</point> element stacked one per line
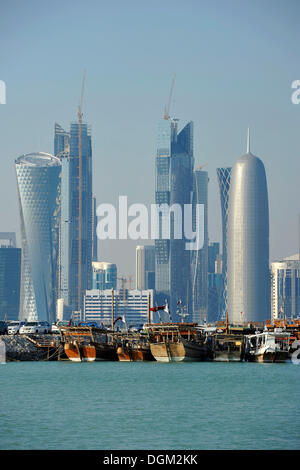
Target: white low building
<point>132,305</point>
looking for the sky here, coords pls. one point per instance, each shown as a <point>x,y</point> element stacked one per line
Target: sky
<point>234,62</point>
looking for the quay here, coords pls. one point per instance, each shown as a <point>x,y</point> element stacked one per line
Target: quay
<point>163,342</point>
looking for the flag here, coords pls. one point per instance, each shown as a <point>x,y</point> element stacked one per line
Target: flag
<point>155,309</point>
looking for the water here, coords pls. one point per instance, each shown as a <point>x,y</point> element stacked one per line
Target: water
<point>50,405</point>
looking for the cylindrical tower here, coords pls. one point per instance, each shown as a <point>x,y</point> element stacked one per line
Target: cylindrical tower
<point>248,242</point>
<point>38,191</point>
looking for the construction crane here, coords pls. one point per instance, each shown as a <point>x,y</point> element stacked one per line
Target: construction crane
<point>167,109</point>
<point>80,193</point>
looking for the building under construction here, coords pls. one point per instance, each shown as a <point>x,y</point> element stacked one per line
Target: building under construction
<point>77,220</point>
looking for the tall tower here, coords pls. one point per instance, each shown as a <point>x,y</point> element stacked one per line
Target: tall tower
<point>94,230</point>
<point>85,238</point>
<point>10,276</point>
<point>199,258</point>
<point>61,140</point>
<point>38,192</point>
<point>67,144</point>
<point>145,267</point>
<point>224,176</point>
<point>174,186</point>
<point>248,241</point>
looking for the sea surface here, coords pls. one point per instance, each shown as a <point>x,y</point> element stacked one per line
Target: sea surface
<point>112,405</point>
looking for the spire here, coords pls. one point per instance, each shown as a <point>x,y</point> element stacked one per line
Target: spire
<point>248,140</point>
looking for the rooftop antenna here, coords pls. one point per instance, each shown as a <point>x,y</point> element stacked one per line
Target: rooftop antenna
<point>248,140</point>
<point>80,193</point>
<point>167,109</point>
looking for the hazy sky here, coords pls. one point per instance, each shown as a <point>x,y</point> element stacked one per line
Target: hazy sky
<point>234,63</point>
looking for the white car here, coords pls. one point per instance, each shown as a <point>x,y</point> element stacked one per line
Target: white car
<point>55,326</point>
<point>33,327</point>
<point>13,328</point>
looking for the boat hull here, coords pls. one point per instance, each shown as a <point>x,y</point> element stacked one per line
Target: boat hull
<point>182,351</point>
<point>88,353</point>
<point>230,356</point>
<point>105,352</point>
<point>132,355</point>
<point>269,357</point>
<point>72,352</point>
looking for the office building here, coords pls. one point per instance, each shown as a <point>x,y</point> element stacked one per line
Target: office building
<point>215,282</point>
<point>94,225</point>
<point>248,241</point>
<point>213,253</point>
<point>131,305</point>
<point>224,177</point>
<point>104,275</point>
<point>215,296</point>
<point>145,267</point>
<point>199,258</point>
<point>173,188</point>
<point>10,276</point>
<point>38,181</point>
<point>285,288</point>
<point>67,146</point>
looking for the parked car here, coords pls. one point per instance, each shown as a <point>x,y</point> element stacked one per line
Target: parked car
<point>3,327</point>
<point>13,328</point>
<point>32,327</point>
<point>46,325</point>
<point>55,326</point>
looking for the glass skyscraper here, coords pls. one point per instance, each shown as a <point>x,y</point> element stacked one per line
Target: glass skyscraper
<point>224,177</point>
<point>10,276</point>
<point>104,275</point>
<point>174,185</point>
<point>199,258</point>
<point>94,225</point>
<point>285,288</point>
<point>67,146</point>
<point>38,178</point>
<point>145,267</point>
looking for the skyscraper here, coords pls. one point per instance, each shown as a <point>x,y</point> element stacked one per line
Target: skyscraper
<point>61,140</point>
<point>145,267</point>
<point>10,276</point>
<point>213,253</point>
<point>199,258</point>
<point>38,191</point>
<point>174,186</point>
<point>104,275</point>
<point>67,146</point>
<point>224,176</point>
<point>285,288</point>
<point>248,241</point>
<point>87,211</point>
<point>94,230</point>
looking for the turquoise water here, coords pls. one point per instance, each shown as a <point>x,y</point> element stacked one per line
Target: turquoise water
<point>111,405</point>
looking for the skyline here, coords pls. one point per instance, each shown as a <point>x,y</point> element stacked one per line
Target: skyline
<point>230,86</point>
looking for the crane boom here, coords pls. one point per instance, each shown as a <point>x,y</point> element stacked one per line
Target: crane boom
<point>167,110</point>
